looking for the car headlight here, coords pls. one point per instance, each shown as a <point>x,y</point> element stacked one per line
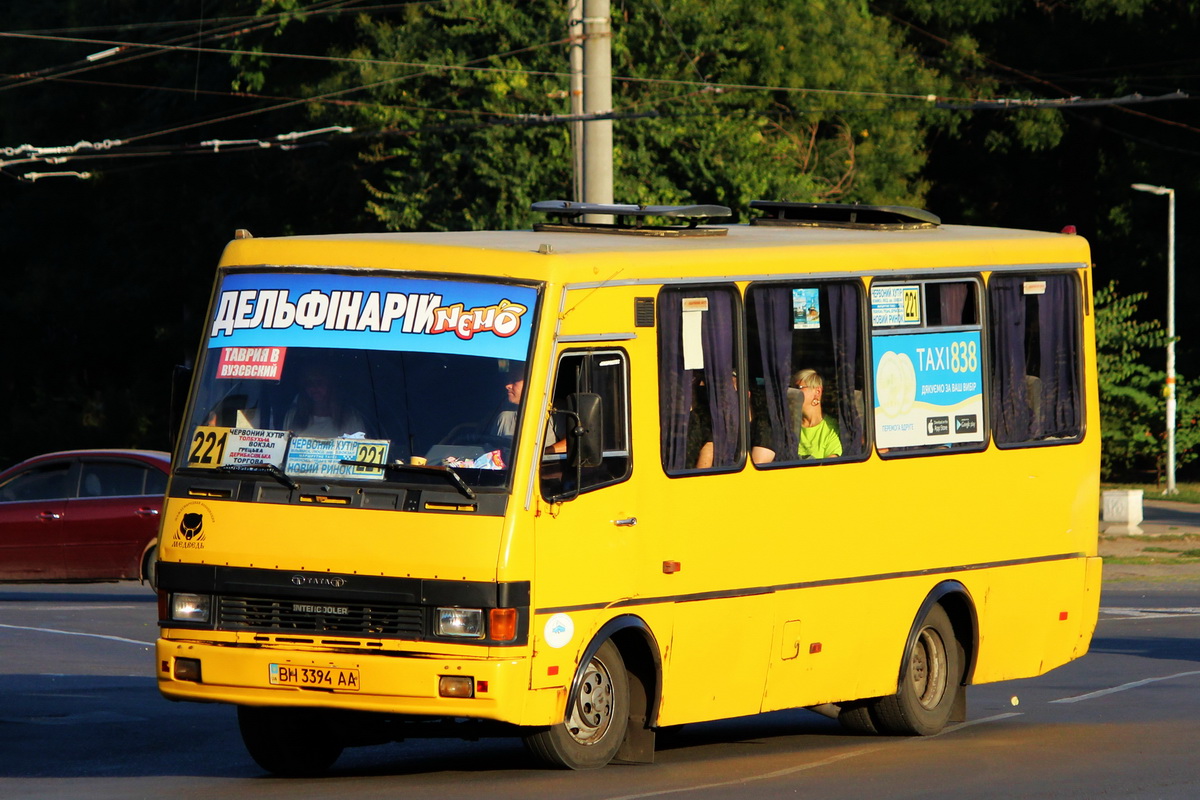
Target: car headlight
<point>464,623</point>
<point>190,607</point>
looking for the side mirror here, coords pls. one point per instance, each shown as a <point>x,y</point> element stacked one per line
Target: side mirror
<point>585,444</point>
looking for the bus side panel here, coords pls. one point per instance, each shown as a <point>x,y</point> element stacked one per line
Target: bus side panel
<point>718,658</point>
<point>1031,618</point>
<point>838,643</point>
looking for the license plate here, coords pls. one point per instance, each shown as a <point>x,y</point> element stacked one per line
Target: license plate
<point>336,678</point>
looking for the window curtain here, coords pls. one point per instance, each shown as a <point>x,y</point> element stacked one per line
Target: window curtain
<point>717,333</point>
<point>953,300</point>
<point>1059,341</point>
<point>774,320</point>
<point>1012,416</point>
<point>844,318</point>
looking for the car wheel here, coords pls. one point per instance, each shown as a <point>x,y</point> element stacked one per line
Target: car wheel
<point>288,742</point>
<point>150,567</point>
<point>930,684</point>
<point>596,719</point>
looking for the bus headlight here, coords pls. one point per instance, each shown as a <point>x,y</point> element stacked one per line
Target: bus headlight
<point>463,623</point>
<point>190,607</point>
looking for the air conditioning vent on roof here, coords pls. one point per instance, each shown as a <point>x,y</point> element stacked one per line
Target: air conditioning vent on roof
<point>835,215</point>
<point>630,219</point>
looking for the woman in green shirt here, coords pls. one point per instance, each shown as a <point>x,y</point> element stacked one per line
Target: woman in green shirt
<point>818,433</point>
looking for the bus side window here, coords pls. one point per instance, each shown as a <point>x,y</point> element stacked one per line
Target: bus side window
<point>700,410</point>
<point>604,373</point>
<point>793,328</point>
<point>1036,391</point>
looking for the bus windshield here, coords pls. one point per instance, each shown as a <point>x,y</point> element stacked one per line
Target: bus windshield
<point>322,376</point>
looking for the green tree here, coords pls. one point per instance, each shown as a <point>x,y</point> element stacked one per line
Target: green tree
<point>1132,408</point>
<point>452,87</point>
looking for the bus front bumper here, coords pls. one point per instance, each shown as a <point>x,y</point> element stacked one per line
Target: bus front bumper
<point>409,684</point>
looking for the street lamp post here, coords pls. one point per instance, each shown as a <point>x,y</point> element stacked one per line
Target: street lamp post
<point>1170,391</point>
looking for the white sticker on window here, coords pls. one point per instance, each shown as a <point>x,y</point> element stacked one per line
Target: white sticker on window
<point>693,345</point>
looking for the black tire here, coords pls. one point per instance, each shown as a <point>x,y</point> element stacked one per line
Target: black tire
<point>596,720</point>
<point>289,742</point>
<point>150,567</point>
<point>855,717</point>
<point>931,681</point>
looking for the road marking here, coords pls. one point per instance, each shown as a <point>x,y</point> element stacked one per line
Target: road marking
<point>862,751</point>
<point>77,633</point>
<point>1124,686</point>
<point>970,722</point>
<point>780,773</point>
<point>1120,612</point>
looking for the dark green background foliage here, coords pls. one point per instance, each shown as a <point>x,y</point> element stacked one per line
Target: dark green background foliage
<point>453,103</point>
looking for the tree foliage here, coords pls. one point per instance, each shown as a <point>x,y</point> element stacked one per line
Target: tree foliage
<point>454,86</point>
<point>1132,405</point>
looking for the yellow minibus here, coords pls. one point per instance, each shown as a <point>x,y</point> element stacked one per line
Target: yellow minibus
<point>580,482</point>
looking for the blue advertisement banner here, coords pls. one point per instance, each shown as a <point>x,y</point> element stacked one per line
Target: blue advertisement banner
<point>928,389</point>
<point>360,312</point>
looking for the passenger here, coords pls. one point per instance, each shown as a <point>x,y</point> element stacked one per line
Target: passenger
<point>319,412</point>
<point>699,429</point>
<point>760,429</point>
<point>818,433</point>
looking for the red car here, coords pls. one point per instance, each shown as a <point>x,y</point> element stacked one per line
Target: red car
<point>82,515</point>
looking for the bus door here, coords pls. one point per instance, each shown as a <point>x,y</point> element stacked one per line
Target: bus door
<point>587,532</point>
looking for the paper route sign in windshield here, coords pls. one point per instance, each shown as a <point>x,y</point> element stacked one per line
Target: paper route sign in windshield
<point>373,313</point>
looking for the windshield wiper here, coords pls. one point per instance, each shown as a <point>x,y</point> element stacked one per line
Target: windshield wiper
<point>263,466</point>
<point>449,472</point>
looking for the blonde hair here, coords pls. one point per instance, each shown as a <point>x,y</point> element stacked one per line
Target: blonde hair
<point>808,377</point>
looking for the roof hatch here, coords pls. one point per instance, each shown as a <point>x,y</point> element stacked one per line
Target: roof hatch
<point>837,215</point>
<point>630,219</point>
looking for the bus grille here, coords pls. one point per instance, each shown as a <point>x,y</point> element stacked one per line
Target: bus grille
<point>298,616</point>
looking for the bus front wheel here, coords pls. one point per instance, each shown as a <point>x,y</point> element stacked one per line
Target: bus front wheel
<point>930,683</point>
<point>596,719</point>
<point>289,742</point>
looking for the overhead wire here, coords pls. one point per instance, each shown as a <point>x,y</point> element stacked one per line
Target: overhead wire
<point>188,23</point>
<point>1031,77</point>
<point>424,68</point>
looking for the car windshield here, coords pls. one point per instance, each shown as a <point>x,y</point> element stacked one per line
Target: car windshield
<point>322,376</point>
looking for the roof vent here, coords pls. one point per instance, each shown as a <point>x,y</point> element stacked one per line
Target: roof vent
<point>630,219</point>
<point>835,215</point>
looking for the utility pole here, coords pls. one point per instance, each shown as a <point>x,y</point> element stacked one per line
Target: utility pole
<point>597,99</point>
<point>575,34</point>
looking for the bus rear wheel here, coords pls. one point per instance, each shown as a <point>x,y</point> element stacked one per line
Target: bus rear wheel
<point>290,742</point>
<point>596,719</point>
<point>930,684</point>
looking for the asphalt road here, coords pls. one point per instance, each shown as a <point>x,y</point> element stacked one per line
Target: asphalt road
<point>80,717</point>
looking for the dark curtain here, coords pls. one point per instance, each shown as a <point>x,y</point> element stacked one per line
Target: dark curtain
<point>674,384</point>
<point>1057,315</point>
<point>844,319</point>
<point>953,299</point>
<point>717,334</point>
<point>1012,417</point>
<point>774,320</point>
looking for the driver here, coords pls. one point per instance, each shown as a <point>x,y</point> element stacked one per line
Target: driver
<point>505,423</point>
